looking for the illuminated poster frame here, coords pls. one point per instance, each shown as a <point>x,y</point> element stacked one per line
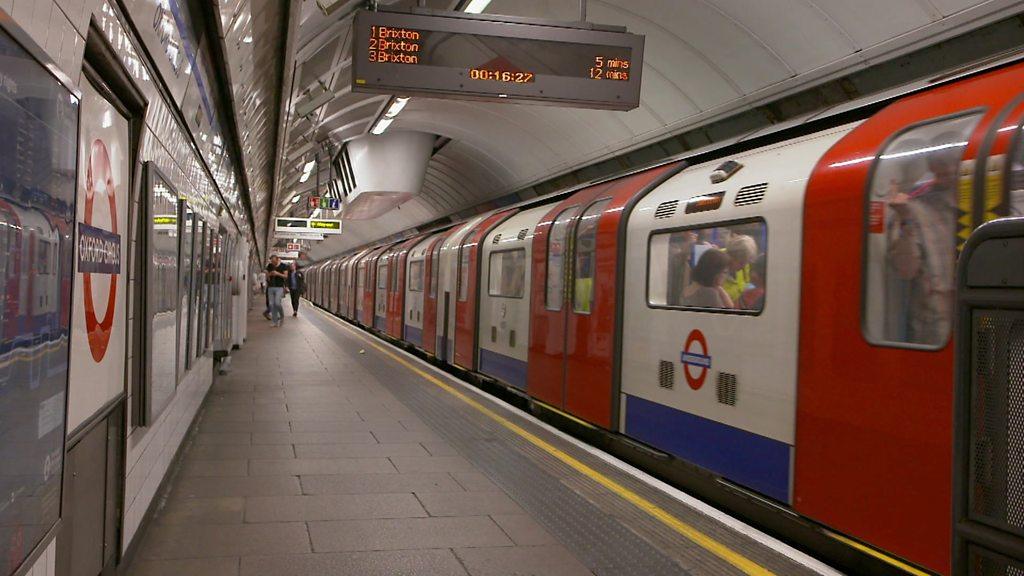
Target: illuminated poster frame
<point>50,420</point>
<point>606,80</point>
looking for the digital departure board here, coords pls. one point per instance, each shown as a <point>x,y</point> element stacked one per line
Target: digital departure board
<point>455,55</point>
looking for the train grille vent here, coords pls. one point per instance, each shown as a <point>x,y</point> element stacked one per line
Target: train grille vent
<point>726,388</point>
<point>666,209</point>
<point>497,238</point>
<point>750,195</point>
<point>522,234</point>
<point>666,374</point>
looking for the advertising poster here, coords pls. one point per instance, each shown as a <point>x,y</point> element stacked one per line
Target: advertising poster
<point>100,294</point>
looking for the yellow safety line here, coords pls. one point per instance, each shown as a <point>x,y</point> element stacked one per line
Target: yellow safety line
<point>689,532</point>
<point>881,556</point>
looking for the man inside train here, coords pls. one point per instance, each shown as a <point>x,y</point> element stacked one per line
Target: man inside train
<point>922,247</point>
<point>741,250</point>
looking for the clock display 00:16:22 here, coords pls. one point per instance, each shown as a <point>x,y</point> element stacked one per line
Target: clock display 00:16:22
<point>501,76</point>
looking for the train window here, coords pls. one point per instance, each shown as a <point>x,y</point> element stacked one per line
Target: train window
<point>912,235</point>
<point>717,267</point>
<point>382,274</point>
<point>416,276</point>
<point>1017,176</point>
<point>558,246</point>
<point>464,274</point>
<point>507,276</point>
<point>585,265</point>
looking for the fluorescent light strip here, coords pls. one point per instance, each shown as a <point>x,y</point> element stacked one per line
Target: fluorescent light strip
<point>476,6</point>
<point>382,125</point>
<point>396,107</point>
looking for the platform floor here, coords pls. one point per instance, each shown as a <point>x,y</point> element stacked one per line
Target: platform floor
<point>312,458</point>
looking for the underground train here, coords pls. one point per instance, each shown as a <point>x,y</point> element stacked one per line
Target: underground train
<point>777,314</point>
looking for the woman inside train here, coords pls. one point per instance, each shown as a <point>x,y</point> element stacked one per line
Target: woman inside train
<point>741,250</point>
<point>706,290</point>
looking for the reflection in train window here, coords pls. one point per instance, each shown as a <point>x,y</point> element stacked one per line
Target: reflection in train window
<point>716,267</point>
<point>507,277</point>
<point>464,274</point>
<point>558,246</point>
<point>585,264</point>
<point>416,276</point>
<point>912,234</point>
<point>1016,188</point>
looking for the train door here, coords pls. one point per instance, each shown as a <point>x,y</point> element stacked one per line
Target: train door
<point>450,260</point>
<point>432,269</point>
<point>361,276</point>
<point>380,297</point>
<point>370,291</point>
<point>466,304</point>
<point>396,290</point>
<point>574,309</point>
<point>886,211</point>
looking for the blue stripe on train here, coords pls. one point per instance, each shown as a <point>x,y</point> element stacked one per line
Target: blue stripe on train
<point>745,458</point>
<point>505,368</point>
<point>414,335</point>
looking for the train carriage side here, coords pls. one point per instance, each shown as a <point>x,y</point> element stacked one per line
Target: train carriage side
<point>395,322</point>
<point>887,209</point>
<point>331,285</point>
<point>711,304</point>
<point>345,287</point>
<point>415,287</point>
<point>374,260</point>
<point>354,282</point>
<point>384,272</point>
<point>504,311</point>
<point>338,273</point>
<point>432,269</point>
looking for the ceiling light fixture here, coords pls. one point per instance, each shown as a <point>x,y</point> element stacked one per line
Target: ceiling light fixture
<point>307,170</point>
<point>476,6</point>
<point>396,107</point>
<point>382,125</point>
<point>295,199</point>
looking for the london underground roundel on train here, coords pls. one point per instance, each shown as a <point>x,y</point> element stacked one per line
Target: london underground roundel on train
<point>696,359</point>
<point>99,248</point>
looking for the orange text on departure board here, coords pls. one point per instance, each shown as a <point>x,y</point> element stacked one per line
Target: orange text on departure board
<point>610,69</point>
<point>391,45</point>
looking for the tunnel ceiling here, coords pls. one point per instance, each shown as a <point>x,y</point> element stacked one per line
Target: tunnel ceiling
<point>704,60</point>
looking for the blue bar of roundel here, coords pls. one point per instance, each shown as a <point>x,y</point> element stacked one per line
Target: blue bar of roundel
<point>414,335</point>
<point>504,368</point>
<point>748,459</point>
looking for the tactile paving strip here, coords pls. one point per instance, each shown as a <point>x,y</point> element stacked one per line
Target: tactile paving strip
<point>608,534</point>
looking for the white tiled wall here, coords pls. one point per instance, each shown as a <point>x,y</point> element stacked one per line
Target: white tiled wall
<point>59,27</point>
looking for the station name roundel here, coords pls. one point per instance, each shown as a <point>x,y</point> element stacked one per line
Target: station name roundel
<point>99,250</point>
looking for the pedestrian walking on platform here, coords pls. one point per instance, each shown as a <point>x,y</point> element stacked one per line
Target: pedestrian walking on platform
<point>296,286</point>
<point>277,281</point>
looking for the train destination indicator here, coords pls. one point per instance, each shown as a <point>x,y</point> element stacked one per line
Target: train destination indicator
<point>455,55</point>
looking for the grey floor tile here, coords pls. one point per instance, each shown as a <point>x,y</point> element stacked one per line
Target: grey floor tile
<point>218,426</point>
<point>440,449</point>
<point>319,416</point>
<point>241,452</point>
<point>475,482</point>
<point>344,426</point>
<point>405,534</point>
<point>189,566</point>
<point>311,466</point>
<point>313,438</point>
<point>214,468</point>
<point>403,436</point>
<point>230,438</point>
<point>387,563</point>
<point>469,503</point>
<point>523,530</point>
<point>358,450</point>
<point>522,561</point>
<point>378,484</point>
<point>228,510</point>
<point>199,541</point>
<point>236,486</point>
<point>332,507</point>
<point>413,464</point>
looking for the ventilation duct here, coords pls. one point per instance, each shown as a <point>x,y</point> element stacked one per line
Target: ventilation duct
<point>388,170</point>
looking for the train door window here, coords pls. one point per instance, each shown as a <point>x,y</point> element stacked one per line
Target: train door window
<point>718,267</point>
<point>435,269</point>
<point>558,247</point>
<point>6,233</point>
<point>911,227</point>
<point>464,273</point>
<point>1016,176</point>
<point>382,274</point>
<point>394,277</point>
<point>585,246</point>
<point>416,276</point>
<point>507,275</point>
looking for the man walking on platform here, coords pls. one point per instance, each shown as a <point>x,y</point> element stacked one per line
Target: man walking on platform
<point>296,286</point>
<point>277,280</point>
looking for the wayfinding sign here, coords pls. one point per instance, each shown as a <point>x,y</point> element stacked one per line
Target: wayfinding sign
<point>457,55</point>
<point>324,202</point>
<point>294,227</point>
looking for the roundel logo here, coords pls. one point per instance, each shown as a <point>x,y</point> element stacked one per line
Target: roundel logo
<point>696,359</point>
<point>99,250</point>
